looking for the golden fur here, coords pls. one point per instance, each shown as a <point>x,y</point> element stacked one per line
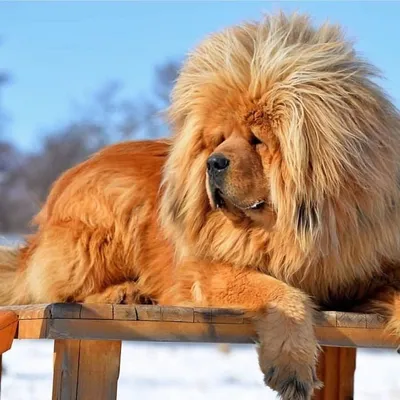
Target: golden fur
<point>310,209</point>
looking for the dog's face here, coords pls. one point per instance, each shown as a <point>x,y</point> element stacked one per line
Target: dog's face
<point>279,133</point>
<point>238,167</point>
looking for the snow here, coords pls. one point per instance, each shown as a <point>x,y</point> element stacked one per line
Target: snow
<point>185,371</point>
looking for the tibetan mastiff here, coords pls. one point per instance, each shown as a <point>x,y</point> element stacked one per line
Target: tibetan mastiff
<point>278,192</point>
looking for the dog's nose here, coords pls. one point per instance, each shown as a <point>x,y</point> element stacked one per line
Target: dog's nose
<point>217,163</point>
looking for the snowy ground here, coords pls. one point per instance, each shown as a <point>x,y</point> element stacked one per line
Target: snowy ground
<point>187,372</point>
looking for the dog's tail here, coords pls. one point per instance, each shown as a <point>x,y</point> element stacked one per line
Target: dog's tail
<point>12,279</point>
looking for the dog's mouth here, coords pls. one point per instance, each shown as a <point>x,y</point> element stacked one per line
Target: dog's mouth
<point>218,199</point>
<point>259,212</point>
<point>222,201</point>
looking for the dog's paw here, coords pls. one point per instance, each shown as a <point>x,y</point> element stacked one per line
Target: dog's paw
<point>288,350</point>
<point>294,384</point>
<point>124,293</point>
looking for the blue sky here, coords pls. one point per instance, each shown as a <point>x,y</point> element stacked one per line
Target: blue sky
<point>62,52</point>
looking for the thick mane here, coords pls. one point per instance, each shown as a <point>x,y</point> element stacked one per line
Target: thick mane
<point>335,184</point>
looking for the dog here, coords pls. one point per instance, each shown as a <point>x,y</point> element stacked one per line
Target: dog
<point>278,192</point>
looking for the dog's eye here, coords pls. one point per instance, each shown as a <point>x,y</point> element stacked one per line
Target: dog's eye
<point>254,140</point>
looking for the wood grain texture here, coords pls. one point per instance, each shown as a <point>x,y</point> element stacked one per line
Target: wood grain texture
<point>8,328</point>
<point>99,365</point>
<point>355,337</point>
<point>1,371</point>
<point>336,369</point>
<point>86,369</point>
<point>125,322</point>
<point>157,313</point>
<point>33,311</point>
<point>125,312</point>
<point>97,311</point>
<point>65,370</point>
<point>163,331</point>
<point>65,310</point>
<point>148,313</point>
<point>202,314</point>
<point>177,314</point>
<point>203,332</point>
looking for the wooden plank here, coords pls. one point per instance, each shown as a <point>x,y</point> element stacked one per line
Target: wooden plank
<point>148,313</point>
<point>86,369</point>
<point>8,328</point>
<point>226,316</point>
<point>33,329</point>
<point>375,321</point>
<point>97,311</point>
<point>1,371</point>
<point>327,372</point>
<point>336,368</point>
<point>347,369</point>
<point>189,332</point>
<point>99,364</point>
<point>66,310</point>
<point>332,328</point>
<point>33,311</point>
<point>150,331</point>
<point>355,337</point>
<point>327,318</point>
<point>125,312</point>
<point>201,314</point>
<point>203,332</point>
<point>153,313</point>
<point>351,320</point>
<point>177,314</point>
<point>65,375</point>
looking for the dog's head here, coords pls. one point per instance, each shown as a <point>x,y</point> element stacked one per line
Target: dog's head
<point>273,123</point>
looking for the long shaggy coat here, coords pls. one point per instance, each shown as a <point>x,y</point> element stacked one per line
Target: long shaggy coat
<point>278,192</point>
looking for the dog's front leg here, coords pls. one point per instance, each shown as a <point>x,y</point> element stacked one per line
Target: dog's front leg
<point>288,349</point>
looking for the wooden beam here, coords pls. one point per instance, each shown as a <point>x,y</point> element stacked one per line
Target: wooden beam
<point>176,331</point>
<point>1,371</point>
<point>150,331</point>
<point>65,375</point>
<point>134,322</point>
<point>86,369</point>
<point>336,368</point>
<point>8,328</point>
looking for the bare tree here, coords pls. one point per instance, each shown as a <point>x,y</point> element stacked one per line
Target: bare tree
<point>153,119</point>
<point>165,77</point>
<point>26,178</point>
<point>4,79</point>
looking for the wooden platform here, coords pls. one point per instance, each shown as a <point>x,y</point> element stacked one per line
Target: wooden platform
<point>8,328</point>
<point>88,341</point>
<point>177,324</point>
